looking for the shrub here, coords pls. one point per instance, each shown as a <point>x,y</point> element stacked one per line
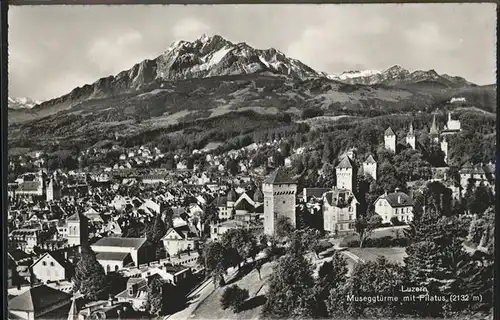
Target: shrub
<point>234,297</point>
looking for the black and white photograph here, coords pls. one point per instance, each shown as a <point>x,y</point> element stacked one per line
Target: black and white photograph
<point>251,161</point>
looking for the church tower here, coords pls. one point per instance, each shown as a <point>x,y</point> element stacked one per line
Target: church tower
<point>434,132</point>
<point>410,138</point>
<point>390,140</point>
<point>444,148</point>
<point>78,229</point>
<point>53,191</point>
<point>279,199</point>
<point>345,174</point>
<point>370,167</point>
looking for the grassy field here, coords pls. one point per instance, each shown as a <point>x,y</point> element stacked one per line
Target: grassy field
<point>210,308</point>
<point>379,233</point>
<point>370,254</point>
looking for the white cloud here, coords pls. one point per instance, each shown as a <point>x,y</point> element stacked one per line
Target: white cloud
<point>190,29</point>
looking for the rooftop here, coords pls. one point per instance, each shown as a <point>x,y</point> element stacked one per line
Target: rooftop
<point>279,177</point>
<point>120,242</point>
<point>37,299</point>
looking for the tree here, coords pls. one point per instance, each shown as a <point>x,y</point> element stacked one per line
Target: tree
<point>234,297</point>
<point>156,230</point>
<point>364,228</point>
<point>290,291</point>
<point>284,227</point>
<point>89,276</point>
<point>240,245</point>
<point>331,275</point>
<point>155,302</point>
<point>380,277</point>
<point>216,261</point>
<point>436,259</point>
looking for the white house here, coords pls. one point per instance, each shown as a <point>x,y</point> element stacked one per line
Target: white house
<point>397,204</point>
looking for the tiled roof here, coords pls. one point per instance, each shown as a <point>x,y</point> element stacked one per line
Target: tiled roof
<point>339,197</point>
<point>345,163</point>
<point>58,257</point>
<point>279,177</point>
<point>77,217</point>
<point>120,242</point>
<point>389,132</point>
<point>370,160</point>
<point>29,186</point>
<point>38,298</point>
<point>398,199</point>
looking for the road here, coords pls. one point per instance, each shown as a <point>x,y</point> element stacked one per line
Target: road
<point>201,293</point>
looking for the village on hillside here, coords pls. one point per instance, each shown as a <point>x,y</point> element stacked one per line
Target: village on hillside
<point>144,234</point>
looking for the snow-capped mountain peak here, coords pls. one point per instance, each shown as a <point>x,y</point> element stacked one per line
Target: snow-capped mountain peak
<point>22,103</point>
<point>398,75</point>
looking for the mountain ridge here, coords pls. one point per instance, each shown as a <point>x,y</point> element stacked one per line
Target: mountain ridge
<point>397,75</point>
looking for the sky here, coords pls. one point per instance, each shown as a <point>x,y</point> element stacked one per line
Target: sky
<point>53,49</point>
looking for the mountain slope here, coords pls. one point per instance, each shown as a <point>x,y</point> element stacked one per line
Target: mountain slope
<point>397,75</point>
<point>202,58</point>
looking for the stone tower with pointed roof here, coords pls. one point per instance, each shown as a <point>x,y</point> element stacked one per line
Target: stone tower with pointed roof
<point>410,137</point>
<point>279,199</point>
<point>434,132</point>
<point>78,229</point>
<point>370,167</point>
<point>390,140</point>
<point>345,171</point>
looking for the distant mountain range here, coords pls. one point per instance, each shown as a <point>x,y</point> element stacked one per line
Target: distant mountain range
<point>397,75</point>
<point>216,56</point>
<point>212,78</point>
<point>22,103</point>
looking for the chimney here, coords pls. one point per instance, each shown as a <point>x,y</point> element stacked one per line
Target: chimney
<point>396,190</point>
<point>110,300</point>
<point>399,199</point>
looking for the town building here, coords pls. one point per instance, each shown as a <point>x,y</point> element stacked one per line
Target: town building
<point>370,167</point>
<point>397,204</point>
<point>279,199</point>
<point>180,240</point>
<point>346,174</point>
<point>339,211</point>
<point>479,173</point>
<point>115,253</point>
<point>452,126</point>
<point>52,266</point>
<point>390,140</point>
<point>78,229</point>
<point>40,302</point>
<point>410,137</point>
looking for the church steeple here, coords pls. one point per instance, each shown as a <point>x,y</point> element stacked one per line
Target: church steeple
<point>410,137</point>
